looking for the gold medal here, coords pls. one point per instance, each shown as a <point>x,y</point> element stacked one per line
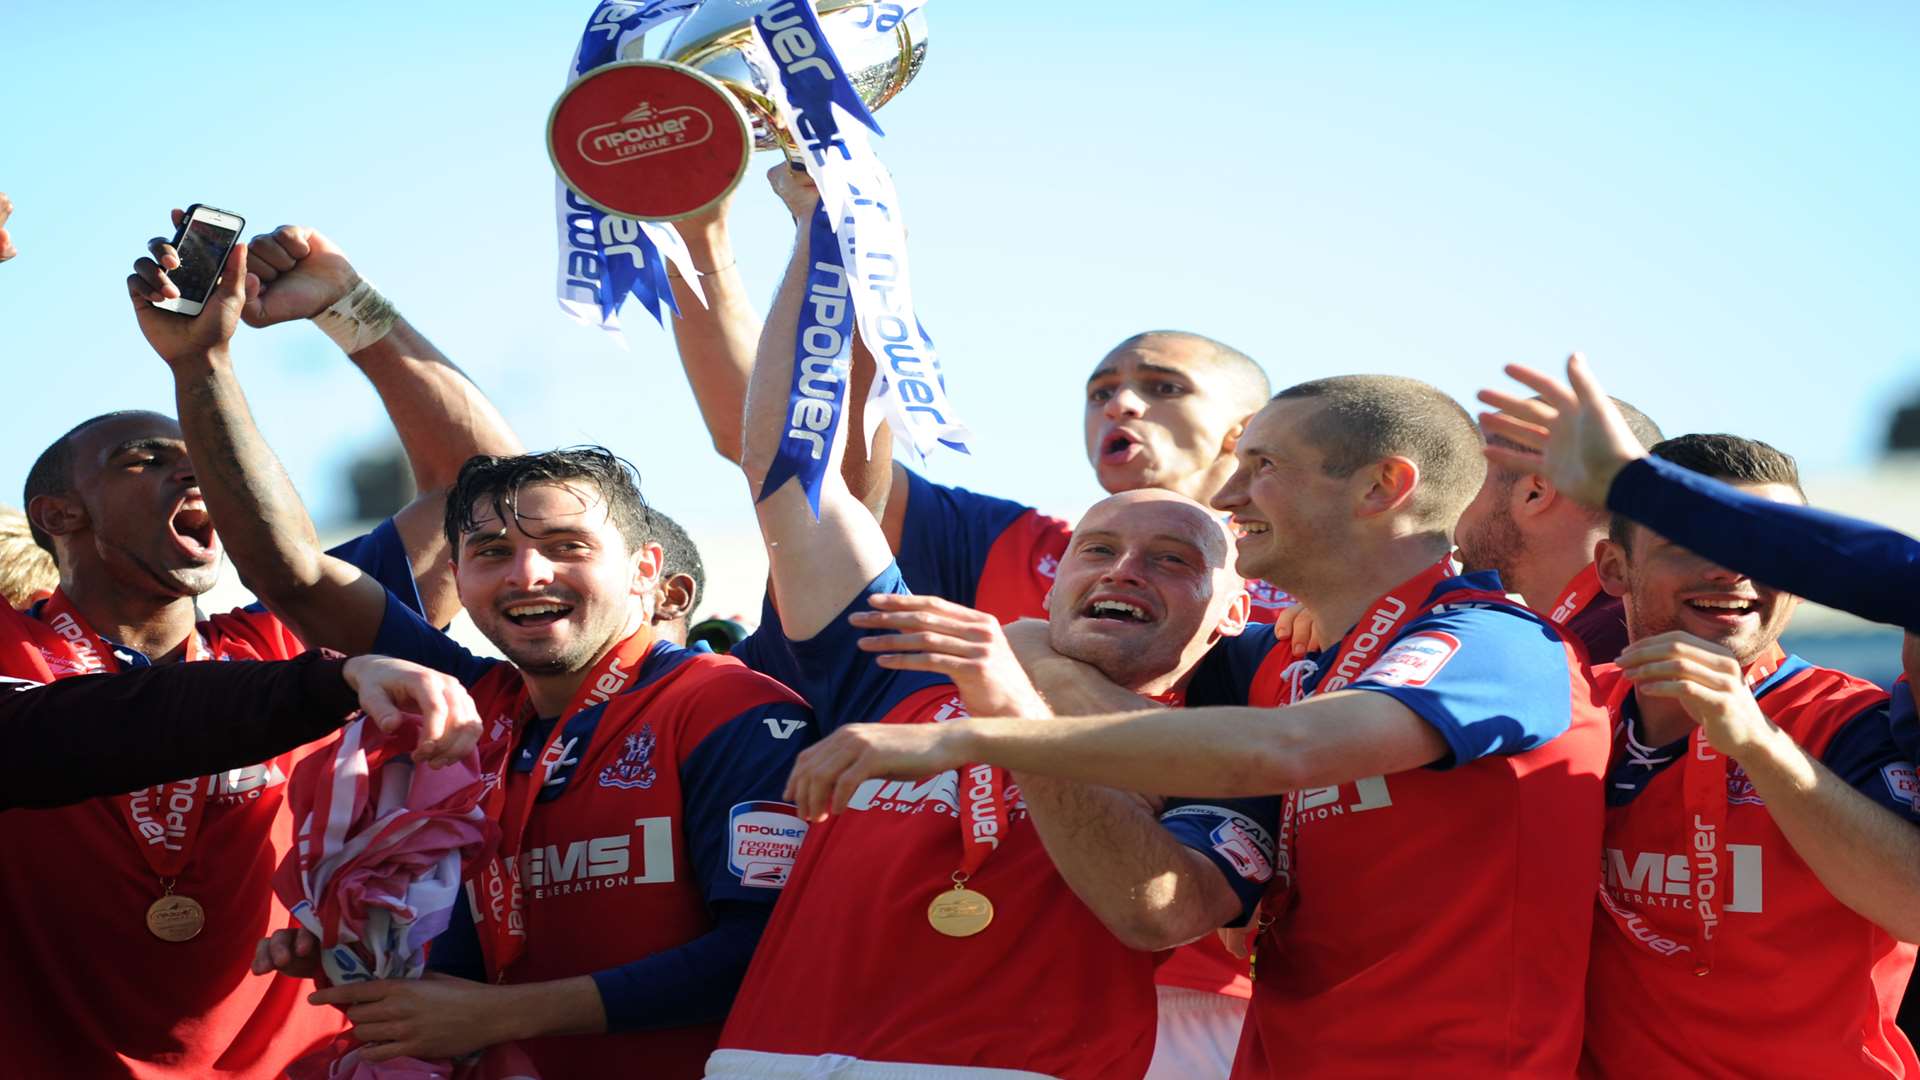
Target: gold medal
<point>176,918</point>
<point>960,912</point>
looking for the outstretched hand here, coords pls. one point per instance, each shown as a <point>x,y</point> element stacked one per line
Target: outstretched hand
<point>1572,436</point>
<point>942,637</point>
<point>173,335</point>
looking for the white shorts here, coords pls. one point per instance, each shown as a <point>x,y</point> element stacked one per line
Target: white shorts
<point>757,1065</point>
<point>1197,1035</point>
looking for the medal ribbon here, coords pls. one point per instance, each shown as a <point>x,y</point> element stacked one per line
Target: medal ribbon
<point>164,819</point>
<point>503,931</point>
<point>1704,794</point>
<point>605,258</point>
<point>983,817</point>
<point>1357,650</point>
<point>821,111</point>
<point>1577,595</point>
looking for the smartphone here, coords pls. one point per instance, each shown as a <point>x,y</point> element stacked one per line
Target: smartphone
<point>204,239</point>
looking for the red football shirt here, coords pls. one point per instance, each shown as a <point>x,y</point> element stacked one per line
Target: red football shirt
<point>86,989</point>
<point>1800,984</point>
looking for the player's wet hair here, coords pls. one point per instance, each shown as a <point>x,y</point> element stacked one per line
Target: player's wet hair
<point>52,471</point>
<point>678,555</point>
<point>1730,458</point>
<point>1244,379</point>
<point>494,484</point>
<point>1365,418</point>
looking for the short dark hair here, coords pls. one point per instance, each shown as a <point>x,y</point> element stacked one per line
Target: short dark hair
<point>1246,379</point>
<point>496,482</point>
<point>1365,418</point>
<point>1731,458</point>
<point>678,555</point>
<point>52,471</point>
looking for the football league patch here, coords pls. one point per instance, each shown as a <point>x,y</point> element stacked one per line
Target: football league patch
<point>1413,660</point>
<point>1245,845</point>
<point>1902,782</point>
<point>763,839</point>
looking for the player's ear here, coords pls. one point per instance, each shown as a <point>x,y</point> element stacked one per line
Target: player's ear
<point>674,599</point>
<point>646,568</point>
<point>57,515</point>
<point>1610,559</point>
<point>1532,496</point>
<point>1234,621</point>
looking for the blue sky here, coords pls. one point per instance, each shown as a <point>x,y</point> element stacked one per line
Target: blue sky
<point>1715,201</point>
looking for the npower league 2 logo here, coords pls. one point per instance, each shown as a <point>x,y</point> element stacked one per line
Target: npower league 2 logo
<point>645,132</point>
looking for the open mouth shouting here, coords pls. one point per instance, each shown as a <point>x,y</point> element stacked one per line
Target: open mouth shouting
<point>1120,447</point>
<point>192,529</point>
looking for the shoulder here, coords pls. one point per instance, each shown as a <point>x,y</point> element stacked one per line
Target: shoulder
<point>1814,703</point>
<point>250,635</point>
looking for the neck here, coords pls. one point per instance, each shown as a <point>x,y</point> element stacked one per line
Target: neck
<point>1662,720</point>
<point>1338,603</point>
<point>1541,578</point>
<point>157,626</point>
<point>551,694</point>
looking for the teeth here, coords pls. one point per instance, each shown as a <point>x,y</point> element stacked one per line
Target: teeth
<point>1253,528</point>
<point>1723,605</point>
<point>1115,607</point>
<point>518,610</point>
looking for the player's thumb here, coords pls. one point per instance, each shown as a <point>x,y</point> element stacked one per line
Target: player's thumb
<point>381,709</point>
<point>232,287</point>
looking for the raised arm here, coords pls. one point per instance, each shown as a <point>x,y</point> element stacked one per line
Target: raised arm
<point>819,566</point>
<point>260,518</point>
<point>442,418</point>
<point>1576,437</point>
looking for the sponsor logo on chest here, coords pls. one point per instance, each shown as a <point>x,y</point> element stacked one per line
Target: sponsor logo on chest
<point>1315,805</point>
<point>643,856</point>
<point>1661,879</point>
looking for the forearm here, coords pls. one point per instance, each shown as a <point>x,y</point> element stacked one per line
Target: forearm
<point>164,723</point>
<point>442,418</point>
<point>1111,850</point>
<point>716,339</point>
<point>818,564</point>
<point>560,1007</point>
<point>1867,857</point>
<point>1870,571</point>
<point>261,520</point>
<point>1074,687</point>
<point>1219,750</point>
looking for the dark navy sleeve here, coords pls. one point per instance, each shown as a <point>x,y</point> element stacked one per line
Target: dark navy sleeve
<point>1225,675</point>
<point>843,684</point>
<point>456,951</point>
<point>741,837</point>
<point>1842,562</point>
<point>947,535</point>
<point>408,636</point>
<point>766,650</point>
<point>1236,835</point>
<point>1491,679</point>
<point>1873,752</point>
<point>691,984</point>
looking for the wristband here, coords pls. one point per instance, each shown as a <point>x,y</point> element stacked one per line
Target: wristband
<point>357,319</point>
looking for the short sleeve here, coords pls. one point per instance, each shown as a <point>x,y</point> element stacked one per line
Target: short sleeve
<point>382,555</point>
<point>1490,678</point>
<point>1225,675</point>
<point>1236,835</point>
<point>1873,752</point>
<point>843,684</point>
<point>405,634</point>
<point>947,537</point>
<point>742,836</point>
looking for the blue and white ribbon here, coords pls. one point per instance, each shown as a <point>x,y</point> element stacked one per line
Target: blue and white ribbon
<point>822,358</point>
<point>820,109</point>
<point>605,258</point>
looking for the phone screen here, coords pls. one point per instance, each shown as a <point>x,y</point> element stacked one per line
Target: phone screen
<point>201,251</point>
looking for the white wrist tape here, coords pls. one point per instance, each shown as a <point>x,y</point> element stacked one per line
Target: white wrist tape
<point>357,319</point>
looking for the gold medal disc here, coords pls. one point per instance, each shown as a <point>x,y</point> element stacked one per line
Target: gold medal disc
<point>960,912</point>
<point>176,918</point>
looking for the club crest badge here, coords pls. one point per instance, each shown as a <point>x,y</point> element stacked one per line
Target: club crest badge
<point>635,768</point>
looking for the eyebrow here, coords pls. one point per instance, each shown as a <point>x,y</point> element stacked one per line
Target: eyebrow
<point>1158,369</point>
<point>149,443</point>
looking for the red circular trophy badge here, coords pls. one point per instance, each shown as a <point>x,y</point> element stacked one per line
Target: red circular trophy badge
<point>648,139</point>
